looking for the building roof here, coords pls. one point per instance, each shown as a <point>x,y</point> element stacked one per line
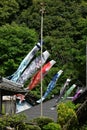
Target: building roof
<point>8,87</point>
<point>48,110</point>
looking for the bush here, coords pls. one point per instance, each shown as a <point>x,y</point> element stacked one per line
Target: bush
<point>17,122</point>
<point>13,121</point>
<point>41,121</point>
<point>3,122</point>
<point>52,126</point>
<point>28,127</point>
<point>66,116</point>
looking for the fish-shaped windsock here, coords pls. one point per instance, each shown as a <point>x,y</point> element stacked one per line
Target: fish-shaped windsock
<point>77,94</point>
<point>33,67</point>
<point>37,77</point>
<point>51,85</point>
<point>25,62</point>
<point>62,91</point>
<point>69,91</point>
<point>21,97</point>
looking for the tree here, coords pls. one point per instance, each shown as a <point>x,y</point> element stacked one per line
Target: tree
<point>15,42</point>
<point>8,11</point>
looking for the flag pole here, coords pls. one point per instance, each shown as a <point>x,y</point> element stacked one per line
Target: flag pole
<point>42,12</point>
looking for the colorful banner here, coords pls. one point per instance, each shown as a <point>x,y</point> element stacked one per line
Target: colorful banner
<point>69,91</point>
<point>37,77</point>
<point>25,62</point>
<point>51,85</point>
<point>33,67</point>
<point>62,91</point>
<point>21,97</point>
<point>20,107</point>
<point>77,94</point>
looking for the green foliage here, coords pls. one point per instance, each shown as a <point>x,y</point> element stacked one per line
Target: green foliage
<point>66,115</point>
<point>8,11</point>
<point>12,121</point>
<point>64,27</point>
<point>17,122</point>
<point>71,105</point>
<point>42,121</point>
<point>15,43</point>
<point>24,4</point>
<point>52,126</point>
<point>23,126</point>
<point>3,123</point>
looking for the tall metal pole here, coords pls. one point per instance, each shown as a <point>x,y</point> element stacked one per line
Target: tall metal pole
<point>42,12</point>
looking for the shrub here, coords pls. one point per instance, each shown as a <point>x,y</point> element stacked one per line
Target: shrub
<point>17,122</point>
<point>52,126</point>
<point>71,105</point>
<point>41,121</point>
<point>13,121</point>
<point>66,116</point>
<point>3,122</point>
<point>28,127</point>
